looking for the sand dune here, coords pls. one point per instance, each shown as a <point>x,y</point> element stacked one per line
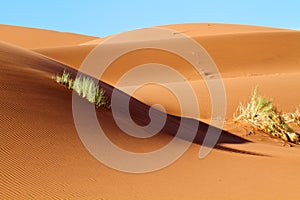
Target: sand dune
<point>261,56</point>
<point>236,49</point>
<point>39,38</point>
<point>43,157</point>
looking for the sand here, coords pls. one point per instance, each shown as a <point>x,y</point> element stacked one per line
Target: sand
<point>43,157</point>
<point>39,38</point>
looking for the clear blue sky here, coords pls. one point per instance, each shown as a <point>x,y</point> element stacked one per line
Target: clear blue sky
<point>101,18</point>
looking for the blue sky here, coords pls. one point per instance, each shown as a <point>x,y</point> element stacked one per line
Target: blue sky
<point>101,18</point>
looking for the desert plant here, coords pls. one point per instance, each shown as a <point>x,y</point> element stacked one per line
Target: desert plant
<point>263,115</point>
<point>70,83</point>
<point>293,117</point>
<point>64,79</point>
<point>99,100</point>
<point>77,85</point>
<point>85,87</point>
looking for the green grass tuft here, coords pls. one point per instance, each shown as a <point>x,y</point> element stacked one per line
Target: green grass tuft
<point>263,115</point>
<point>85,87</point>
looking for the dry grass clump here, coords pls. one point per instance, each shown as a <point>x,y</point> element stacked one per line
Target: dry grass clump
<point>263,115</point>
<point>85,87</point>
<point>293,118</point>
<point>64,79</point>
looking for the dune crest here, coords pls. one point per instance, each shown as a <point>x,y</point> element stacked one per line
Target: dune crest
<point>39,38</point>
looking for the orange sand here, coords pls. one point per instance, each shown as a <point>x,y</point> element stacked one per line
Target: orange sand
<point>43,157</point>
